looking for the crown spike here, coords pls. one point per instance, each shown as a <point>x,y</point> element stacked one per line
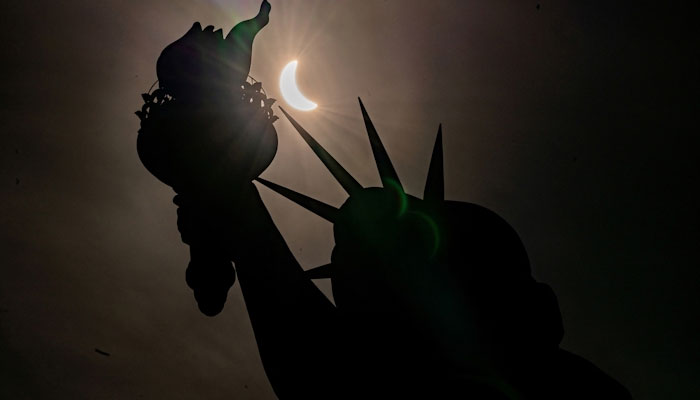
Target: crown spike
<point>435,183</point>
<point>381,158</point>
<point>341,175</point>
<point>321,209</point>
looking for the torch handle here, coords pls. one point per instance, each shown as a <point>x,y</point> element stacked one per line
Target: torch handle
<point>210,274</point>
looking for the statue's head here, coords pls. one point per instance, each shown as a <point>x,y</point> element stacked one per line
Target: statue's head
<point>429,264</point>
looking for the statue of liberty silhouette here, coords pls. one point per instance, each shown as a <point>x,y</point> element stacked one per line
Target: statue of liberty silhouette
<point>434,298</point>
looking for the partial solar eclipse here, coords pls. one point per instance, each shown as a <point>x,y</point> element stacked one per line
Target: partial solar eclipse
<point>290,90</point>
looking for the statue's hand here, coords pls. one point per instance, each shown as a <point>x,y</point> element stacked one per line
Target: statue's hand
<point>206,225</point>
<point>217,224</point>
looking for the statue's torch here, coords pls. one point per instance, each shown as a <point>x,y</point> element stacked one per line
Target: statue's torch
<point>207,132</point>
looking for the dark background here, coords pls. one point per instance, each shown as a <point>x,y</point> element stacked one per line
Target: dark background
<point>575,122</point>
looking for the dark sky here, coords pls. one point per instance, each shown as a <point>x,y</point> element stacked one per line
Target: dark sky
<point>576,122</point>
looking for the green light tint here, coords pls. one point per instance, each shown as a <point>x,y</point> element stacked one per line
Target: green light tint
<point>433,227</point>
<point>403,199</point>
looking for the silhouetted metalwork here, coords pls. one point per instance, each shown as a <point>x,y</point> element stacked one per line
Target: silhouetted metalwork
<point>435,182</point>
<point>204,131</point>
<point>387,173</point>
<point>319,208</point>
<point>434,298</point>
<point>341,175</point>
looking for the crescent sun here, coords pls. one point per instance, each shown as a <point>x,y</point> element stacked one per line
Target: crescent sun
<point>290,90</point>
